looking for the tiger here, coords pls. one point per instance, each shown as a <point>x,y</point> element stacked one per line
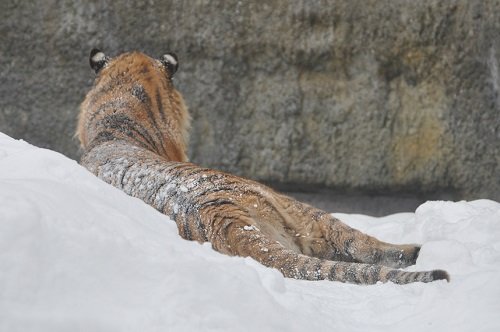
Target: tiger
<point>133,130</point>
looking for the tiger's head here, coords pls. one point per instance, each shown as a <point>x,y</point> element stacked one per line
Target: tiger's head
<point>133,98</point>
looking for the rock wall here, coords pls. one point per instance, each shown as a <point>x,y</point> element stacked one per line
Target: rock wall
<point>356,95</point>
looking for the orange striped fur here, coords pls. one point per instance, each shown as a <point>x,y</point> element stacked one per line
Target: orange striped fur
<point>133,129</point>
<point>154,112</point>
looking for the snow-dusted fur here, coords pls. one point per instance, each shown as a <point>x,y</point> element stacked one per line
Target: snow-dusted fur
<point>133,129</point>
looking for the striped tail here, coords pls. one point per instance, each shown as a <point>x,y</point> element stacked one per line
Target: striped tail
<point>303,267</point>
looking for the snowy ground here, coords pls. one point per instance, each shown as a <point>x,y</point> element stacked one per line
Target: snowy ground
<point>79,255</point>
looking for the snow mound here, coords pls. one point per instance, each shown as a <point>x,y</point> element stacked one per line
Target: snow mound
<point>79,255</point>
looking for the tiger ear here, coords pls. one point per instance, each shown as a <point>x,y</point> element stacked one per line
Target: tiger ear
<point>97,60</point>
<point>169,60</point>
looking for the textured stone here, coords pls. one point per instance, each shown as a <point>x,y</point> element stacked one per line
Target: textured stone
<point>361,95</point>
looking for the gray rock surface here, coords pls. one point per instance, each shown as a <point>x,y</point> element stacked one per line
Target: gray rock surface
<point>358,95</point>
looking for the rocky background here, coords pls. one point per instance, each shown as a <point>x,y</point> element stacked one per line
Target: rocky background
<point>367,96</point>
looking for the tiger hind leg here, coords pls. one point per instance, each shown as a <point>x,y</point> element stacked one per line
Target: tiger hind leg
<point>334,240</point>
<point>356,246</point>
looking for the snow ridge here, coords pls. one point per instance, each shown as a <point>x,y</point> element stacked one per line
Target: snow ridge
<point>76,252</point>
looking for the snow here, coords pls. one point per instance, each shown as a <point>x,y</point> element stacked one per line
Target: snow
<point>250,228</point>
<point>79,255</point>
